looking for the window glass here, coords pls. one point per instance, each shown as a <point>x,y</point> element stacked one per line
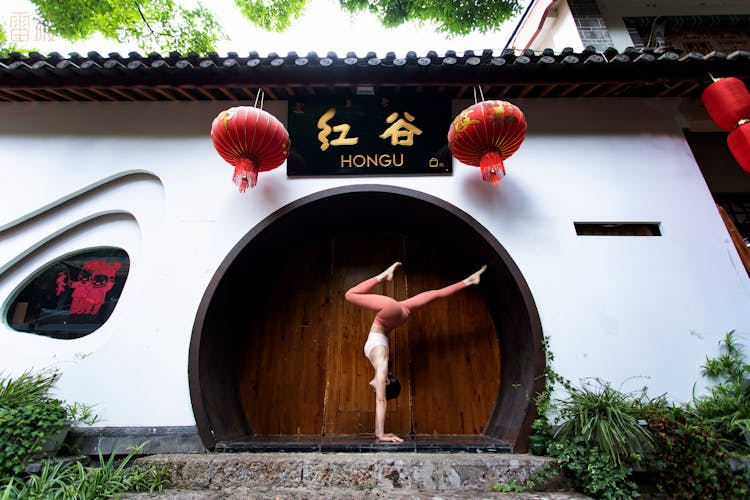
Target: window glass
<point>73,296</point>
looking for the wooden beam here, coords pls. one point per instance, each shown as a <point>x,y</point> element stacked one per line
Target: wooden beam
<point>546,90</point>
<point>248,92</point>
<point>37,94</point>
<point>734,234</point>
<point>60,94</point>
<point>122,93</point>
<point>688,89</point>
<point>142,91</point>
<point>163,91</point>
<point>668,89</point>
<point>591,90</point>
<point>227,93</point>
<point>205,93</point>
<point>270,92</point>
<point>504,90</point>
<point>185,93</point>
<point>525,90</point>
<point>613,88</point>
<point>100,92</point>
<point>80,93</point>
<point>569,90</point>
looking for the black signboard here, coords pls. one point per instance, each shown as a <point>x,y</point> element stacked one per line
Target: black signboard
<point>368,135</point>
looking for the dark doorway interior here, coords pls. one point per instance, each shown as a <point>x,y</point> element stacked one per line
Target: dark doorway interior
<point>276,353</point>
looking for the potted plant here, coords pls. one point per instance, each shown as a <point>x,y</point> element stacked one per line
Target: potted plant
<point>538,444</point>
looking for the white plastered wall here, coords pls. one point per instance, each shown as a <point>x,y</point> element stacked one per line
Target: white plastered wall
<point>613,307</point>
<point>548,24</point>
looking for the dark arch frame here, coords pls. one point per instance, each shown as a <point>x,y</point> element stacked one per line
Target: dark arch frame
<point>216,406</point>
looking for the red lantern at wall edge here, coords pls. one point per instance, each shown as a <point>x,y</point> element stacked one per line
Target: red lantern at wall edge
<point>727,102</point>
<point>485,134</point>
<point>739,144</point>
<point>251,140</point>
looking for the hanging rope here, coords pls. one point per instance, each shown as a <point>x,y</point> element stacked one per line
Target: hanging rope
<point>259,96</point>
<point>481,94</point>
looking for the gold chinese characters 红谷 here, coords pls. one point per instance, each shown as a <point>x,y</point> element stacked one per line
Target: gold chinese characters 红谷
<point>400,131</point>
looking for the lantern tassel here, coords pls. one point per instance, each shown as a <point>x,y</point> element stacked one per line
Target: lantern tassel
<point>491,165</point>
<point>245,173</point>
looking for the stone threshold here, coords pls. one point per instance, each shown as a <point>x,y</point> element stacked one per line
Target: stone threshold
<point>365,443</point>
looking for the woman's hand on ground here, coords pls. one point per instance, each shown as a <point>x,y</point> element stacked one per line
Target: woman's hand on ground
<point>389,438</point>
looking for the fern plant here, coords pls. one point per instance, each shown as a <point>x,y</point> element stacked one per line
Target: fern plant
<point>727,406</point>
<point>607,418</point>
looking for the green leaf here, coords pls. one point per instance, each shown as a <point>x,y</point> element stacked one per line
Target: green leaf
<point>153,25</point>
<point>453,17</point>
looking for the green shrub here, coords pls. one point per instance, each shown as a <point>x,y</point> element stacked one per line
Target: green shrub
<point>541,427</point>
<point>76,481</point>
<point>594,470</point>
<point>28,417</point>
<point>690,460</point>
<point>686,452</point>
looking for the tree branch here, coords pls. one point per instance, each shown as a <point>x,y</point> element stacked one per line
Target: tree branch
<point>153,33</point>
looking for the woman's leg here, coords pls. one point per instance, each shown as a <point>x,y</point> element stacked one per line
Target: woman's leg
<point>424,298</point>
<point>360,294</point>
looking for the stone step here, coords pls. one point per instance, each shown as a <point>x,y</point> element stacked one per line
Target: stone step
<point>350,475</point>
<point>346,494</point>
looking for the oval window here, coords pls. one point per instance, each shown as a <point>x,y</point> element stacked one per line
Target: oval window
<point>73,296</point>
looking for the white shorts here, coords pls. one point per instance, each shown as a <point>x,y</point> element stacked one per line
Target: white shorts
<point>375,339</point>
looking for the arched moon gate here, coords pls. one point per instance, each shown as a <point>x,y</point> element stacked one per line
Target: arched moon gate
<point>276,351</point>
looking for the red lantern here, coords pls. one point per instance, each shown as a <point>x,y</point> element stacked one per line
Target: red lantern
<point>251,140</point>
<point>739,144</point>
<point>485,134</point>
<point>727,102</point>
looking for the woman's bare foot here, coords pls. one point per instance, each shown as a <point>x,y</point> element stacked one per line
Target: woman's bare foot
<point>389,438</point>
<point>388,273</point>
<point>474,278</point>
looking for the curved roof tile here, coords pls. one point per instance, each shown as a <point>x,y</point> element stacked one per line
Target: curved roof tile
<point>644,72</point>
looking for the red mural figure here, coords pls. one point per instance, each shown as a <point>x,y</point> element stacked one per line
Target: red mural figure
<point>94,281</point>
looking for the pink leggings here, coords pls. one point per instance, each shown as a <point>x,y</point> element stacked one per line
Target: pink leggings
<point>391,313</point>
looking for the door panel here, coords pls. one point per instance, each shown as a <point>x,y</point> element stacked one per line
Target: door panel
<point>454,366</point>
<point>282,373</point>
<point>350,399</point>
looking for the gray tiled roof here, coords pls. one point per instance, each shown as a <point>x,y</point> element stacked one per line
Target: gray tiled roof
<point>507,74</point>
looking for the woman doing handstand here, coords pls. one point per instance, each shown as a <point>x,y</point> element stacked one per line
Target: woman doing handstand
<point>391,314</point>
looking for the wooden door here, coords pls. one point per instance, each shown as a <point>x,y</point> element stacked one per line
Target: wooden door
<point>454,365</point>
<point>301,369</point>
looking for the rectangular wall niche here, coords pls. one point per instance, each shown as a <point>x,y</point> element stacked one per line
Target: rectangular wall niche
<point>617,228</point>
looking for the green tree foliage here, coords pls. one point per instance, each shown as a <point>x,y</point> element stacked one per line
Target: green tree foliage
<point>166,25</point>
<point>271,15</point>
<point>5,47</point>
<point>154,25</point>
<point>453,17</point>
